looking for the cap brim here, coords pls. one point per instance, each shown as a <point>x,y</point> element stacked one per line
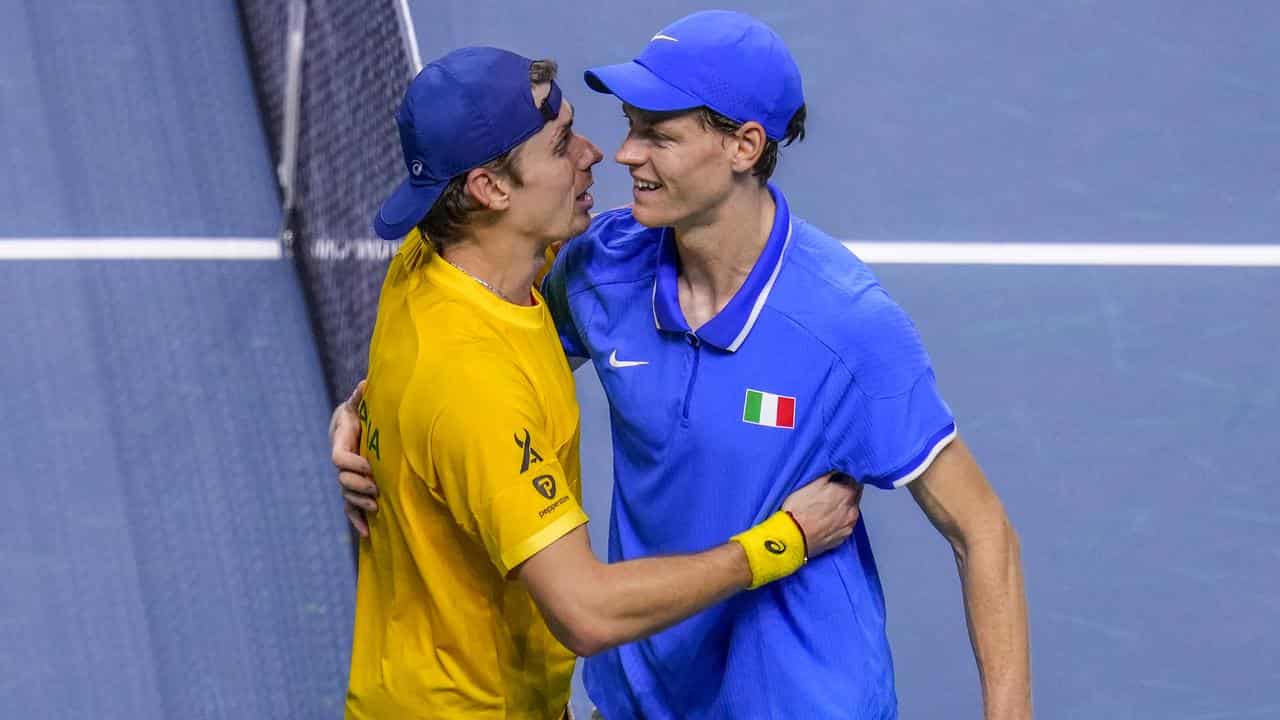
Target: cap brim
<point>405,208</point>
<point>635,85</point>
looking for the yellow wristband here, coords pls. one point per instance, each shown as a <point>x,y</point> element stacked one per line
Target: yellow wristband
<point>775,548</point>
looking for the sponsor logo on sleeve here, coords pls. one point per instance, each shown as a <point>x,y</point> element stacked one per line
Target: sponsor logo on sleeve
<point>545,485</point>
<point>529,455</point>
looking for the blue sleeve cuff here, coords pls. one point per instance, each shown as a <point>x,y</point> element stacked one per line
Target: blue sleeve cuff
<point>921,462</point>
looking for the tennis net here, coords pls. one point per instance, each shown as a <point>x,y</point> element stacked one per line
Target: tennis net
<point>358,59</point>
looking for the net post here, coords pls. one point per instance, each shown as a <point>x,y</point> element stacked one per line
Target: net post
<point>287,170</point>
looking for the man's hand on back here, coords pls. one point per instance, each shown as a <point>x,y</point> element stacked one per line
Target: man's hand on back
<point>826,511</point>
<point>354,474</point>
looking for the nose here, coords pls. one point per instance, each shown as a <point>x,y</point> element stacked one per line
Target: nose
<point>589,155</point>
<point>630,154</point>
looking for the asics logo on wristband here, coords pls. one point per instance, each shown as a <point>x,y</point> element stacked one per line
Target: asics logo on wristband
<point>776,547</point>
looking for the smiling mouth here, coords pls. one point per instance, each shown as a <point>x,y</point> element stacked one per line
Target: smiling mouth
<point>646,186</point>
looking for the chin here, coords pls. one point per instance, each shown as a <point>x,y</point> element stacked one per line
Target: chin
<point>579,225</point>
<point>648,216</point>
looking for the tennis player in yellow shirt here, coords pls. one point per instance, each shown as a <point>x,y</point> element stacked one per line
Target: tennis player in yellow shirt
<point>477,584</point>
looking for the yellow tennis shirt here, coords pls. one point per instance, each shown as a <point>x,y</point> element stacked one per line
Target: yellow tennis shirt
<point>471,426</point>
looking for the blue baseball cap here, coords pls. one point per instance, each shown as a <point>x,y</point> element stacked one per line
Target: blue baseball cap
<point>727,61</point>
<point>460,112</point>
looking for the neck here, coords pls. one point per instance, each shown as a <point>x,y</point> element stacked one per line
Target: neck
<point>506,262</point>
<point>718,251</point>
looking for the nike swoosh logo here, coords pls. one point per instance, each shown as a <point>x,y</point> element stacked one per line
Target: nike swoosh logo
<point>660,36</point>
<point>615,362</point>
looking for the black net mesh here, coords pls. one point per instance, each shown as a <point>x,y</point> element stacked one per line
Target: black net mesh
<point>356,67</point>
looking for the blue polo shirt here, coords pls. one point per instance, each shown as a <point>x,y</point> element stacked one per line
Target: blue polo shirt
<point>811,367</point>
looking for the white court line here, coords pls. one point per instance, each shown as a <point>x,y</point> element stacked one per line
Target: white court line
<point>1138,255</point>
<point>875,253</point>
<point>148,248</point>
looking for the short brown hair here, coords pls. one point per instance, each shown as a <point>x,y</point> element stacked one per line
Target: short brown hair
<point>712,120</point>
<point>768,162</point>
<point>456,208</point>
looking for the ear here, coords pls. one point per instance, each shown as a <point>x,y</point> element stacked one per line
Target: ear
<point>749,141</point>
<point>489,188</point>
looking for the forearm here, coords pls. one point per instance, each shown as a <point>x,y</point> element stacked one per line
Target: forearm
<point>996,611</point>
<point>591,606</point>
<point>629,600</point>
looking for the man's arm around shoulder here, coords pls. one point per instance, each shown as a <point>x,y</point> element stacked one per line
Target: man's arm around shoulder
<point>592,606</point>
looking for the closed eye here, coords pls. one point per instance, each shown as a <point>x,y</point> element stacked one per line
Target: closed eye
<point>644,129</point>
<point>562,146</point>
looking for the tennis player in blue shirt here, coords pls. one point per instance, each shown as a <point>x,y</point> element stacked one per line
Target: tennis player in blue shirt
<point>734,340</point>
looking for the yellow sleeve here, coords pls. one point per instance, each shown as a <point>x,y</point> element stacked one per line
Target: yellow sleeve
<point>498,472</point>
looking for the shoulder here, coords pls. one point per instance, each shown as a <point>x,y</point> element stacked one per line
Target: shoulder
<point>815,258</point>
<point>459,350</point>
<point>615,248</point>
<point>471,383</point>
<point>831,293</point>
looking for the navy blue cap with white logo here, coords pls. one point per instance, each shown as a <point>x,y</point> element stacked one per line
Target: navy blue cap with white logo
<point>460,112</point>
<point>727,61</point>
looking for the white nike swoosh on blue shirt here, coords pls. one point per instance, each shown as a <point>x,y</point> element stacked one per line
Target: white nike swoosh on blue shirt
<point>615,362</point>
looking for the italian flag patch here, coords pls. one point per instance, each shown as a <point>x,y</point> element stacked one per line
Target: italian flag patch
<point>770,410</point>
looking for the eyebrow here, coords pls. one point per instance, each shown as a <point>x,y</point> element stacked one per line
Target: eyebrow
<point>646,123</point>
<point>650,130</point>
